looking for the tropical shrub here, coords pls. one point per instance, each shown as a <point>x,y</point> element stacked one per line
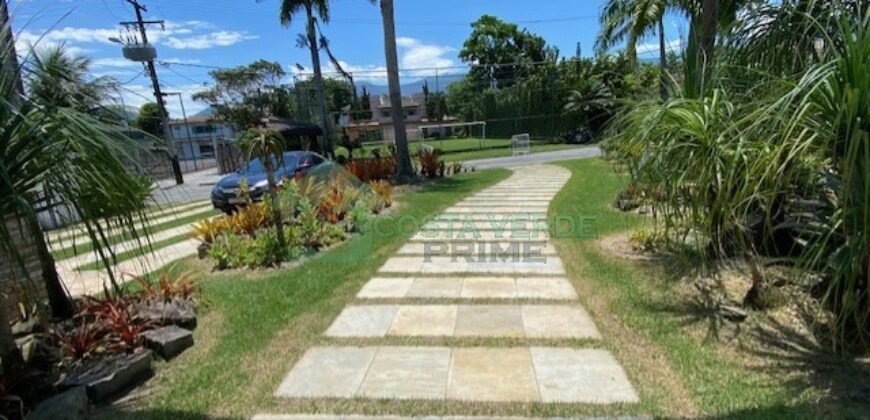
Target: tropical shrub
<point>384,190</point>
<point>209,229</point>
<point>771,161</point>
<point>359,217</point>
<point>431,165</point>
<point>377,168</point>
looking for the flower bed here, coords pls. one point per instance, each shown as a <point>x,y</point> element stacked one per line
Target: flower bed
<point>102,350</point>
<point>314,214</point>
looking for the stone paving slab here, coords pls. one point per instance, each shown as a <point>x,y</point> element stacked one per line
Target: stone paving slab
<point>547,374</point>
<point>497,210</point>
<point>407,373</point>
<point>483,225</point>
<point>433,248</point>
<point>328,372</point>
<point>530,321</point>
<point>458,265</point>
<point>390,417</point>
<point>489,217</point>
<point>551,288</point>
<point>581,375</point>
<point>460,234</point>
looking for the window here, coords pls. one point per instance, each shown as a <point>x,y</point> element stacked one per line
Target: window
<point>206,150</point>
<point>203,129</point>
<point>386,114</point>
<point>316,160</point>
<point>412,112</point>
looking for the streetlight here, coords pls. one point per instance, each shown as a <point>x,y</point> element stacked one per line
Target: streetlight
<point>186,125</point>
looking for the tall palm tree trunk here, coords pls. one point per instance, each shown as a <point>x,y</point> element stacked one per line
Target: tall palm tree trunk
<point>663,60</point>
<point>276,208</point>
<point>318,81</point>
<point>709,24</point>
<point>9,355</point>
<point>403,157</point>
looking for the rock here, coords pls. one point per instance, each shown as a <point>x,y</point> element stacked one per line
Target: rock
<point>625,204</point>
<point>70,405</point>
<point>733,313</point>
<point>22,328</point>
<point>202,250</point>
<point>181,312</point>
<point>37,352</point>
<point>168,341</point>
<point>110,376</point>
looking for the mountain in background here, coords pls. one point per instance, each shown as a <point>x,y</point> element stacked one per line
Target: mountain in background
<point>438,84</point>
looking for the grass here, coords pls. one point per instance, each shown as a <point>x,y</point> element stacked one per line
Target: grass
<point>134,253</point>
<point>660,338</point>
<point>465,149</point>
<point>256,324</point>
<point>84,247</point>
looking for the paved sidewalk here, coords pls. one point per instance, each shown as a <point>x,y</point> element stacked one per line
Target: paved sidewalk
<point>491,295</point>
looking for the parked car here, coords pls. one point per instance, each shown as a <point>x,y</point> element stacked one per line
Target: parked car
<point>225,195</point>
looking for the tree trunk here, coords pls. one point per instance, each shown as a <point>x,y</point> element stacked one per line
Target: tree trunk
<point>9,355</point>
<point>403,157</point>
<point>276,209</point>
<point>709,23</point>
<point>318,82</point>
<point>58,298</point>
<point>663,61</point>
<point>13,85</point>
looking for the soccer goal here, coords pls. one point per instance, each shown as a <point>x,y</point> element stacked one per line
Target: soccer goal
<point>454,136</point>
<point>521,144</point>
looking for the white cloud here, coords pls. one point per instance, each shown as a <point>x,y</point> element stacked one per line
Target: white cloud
<point>416,59</point>
<point>214,39</point>
<point>114,62</point>
<point>192,34</point>
<point>653,47</point>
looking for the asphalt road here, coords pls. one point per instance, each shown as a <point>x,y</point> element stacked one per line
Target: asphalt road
<point>536,158</point>
<point>198,185</point>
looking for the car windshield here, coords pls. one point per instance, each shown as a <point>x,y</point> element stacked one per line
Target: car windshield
<point>256,166</point>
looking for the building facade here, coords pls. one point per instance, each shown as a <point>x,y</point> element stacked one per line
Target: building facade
<point>379,128</point>
<point>197,136</point>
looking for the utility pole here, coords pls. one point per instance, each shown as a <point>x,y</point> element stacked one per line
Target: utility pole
<point>186,125</point>
<point>152,71</point>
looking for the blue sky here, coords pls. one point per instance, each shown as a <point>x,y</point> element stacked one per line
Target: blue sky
<point>226,33</point>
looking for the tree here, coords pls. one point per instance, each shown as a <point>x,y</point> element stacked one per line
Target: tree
<point>242,95</point>
<point>268,146</point>
<point>149,119</point>
<point>291,8</point>
<point>53,148</point>
<point>56,77</point>
<point>631,21</point>
<point>403,157</point>
<point>500,52</point>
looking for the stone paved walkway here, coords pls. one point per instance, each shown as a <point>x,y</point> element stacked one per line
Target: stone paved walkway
<point>490,258</point>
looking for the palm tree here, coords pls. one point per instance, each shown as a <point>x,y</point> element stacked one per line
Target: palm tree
<point>268,146</point>
<point>403,158</point>
<point>291,8</point>
<point>630,21</point>
<point>57,78</point>
<point>58,151</point>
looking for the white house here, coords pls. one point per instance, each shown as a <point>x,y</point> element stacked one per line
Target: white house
<point>197,136</point>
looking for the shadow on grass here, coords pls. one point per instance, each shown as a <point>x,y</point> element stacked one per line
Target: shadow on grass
<point>155,414</point>
<point>784,350</point>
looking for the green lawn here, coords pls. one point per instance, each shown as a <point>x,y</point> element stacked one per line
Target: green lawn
<point>134,253</point>
<point>254,325</point>
<point>457,150</point>
<point>83,245</point>
<point>660,338</point>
